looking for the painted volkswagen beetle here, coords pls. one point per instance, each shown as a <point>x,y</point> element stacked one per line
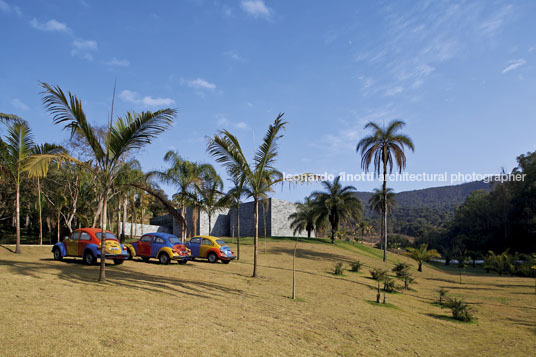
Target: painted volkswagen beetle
<point>162,246</point>
<point>86,243</point>
<point>211,248</point>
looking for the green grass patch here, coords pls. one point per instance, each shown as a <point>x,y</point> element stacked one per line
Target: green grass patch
<point>387,305</point>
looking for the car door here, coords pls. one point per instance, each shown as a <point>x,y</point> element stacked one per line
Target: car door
<point>144,246</point>
<point>206,244</point>
<point>158,243</point>
<point>83,241</point>
<point>195,245</point>
<point>71,244</point>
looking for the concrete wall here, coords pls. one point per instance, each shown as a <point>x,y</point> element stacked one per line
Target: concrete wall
<point>224,221</point>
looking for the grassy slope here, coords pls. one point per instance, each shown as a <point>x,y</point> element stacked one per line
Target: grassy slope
<point>50,307</point>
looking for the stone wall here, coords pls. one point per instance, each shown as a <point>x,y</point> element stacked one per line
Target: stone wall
<point>140,229</point>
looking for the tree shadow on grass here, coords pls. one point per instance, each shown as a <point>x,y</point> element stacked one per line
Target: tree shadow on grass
<point>310,254</point>
<point>7,248</point>
<point>449,318</point>
<point>121,276</point>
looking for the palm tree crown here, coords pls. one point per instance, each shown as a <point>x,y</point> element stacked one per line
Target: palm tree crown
<point>422,254</point>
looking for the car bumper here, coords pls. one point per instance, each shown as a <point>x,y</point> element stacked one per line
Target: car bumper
<point>114,256</point>
<point>227,257</point>
<point>182,257</point>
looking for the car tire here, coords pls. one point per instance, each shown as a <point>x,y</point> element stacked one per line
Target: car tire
<point>89,258</point>
<point>57,254</point>
<point>118,261</point>
<point>163,258</point>
<point>212,258</point>
<point>130,256</point>
<point>182,262</point>
<point>145,259</point>
<point>225,261</point>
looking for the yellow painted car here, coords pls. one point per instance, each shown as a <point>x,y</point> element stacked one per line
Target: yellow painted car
<point>211,248</point>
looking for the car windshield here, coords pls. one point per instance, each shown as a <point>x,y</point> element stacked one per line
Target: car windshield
<point>174,240</point>
<point>221,242</point>
<point>108,236</point>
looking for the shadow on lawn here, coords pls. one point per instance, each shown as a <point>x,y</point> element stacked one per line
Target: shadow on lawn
<point>8,249</point>
<point>310,254</point>
<point>73,270</point>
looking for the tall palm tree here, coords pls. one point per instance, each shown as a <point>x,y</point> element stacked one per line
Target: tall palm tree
<point>377,205</point>
<point>304,217</point>
<point>335,204</point>
<point>422,254</point>
<point>131,132</point>
<point>385,146</point>
<point>234,196</point>
<point>15,151</point>
<point>259,176</point>
<point>211,197</point>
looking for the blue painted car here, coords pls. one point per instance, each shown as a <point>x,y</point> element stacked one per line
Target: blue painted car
<point>163,246</point>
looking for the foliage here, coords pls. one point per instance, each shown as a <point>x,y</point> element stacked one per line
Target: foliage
<point>338,270</point>
<point>442,295</point>
<point>422,254</point>
<point>355,266</point>
<point>461,310</point>
<point>335,204</point>
<point>304,217</point>
<point>378,274</point>
<point>388,284</point>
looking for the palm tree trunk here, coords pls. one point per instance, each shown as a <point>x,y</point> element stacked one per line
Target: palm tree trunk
<point>102,273</point>
<point>17,216</point>
<point>294,270</point>
<point>384,212</point>
<point>420,266</point>
<point>255,235</point>
<point>238,232</point>
<point>184,225</point>
<point>58,224</point>
<point>209,223</point>
<point>309,233</point>
<point>40,214</point>
<point>125,202</point>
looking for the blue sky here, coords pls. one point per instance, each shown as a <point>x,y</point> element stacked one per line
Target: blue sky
<point>461,74</point>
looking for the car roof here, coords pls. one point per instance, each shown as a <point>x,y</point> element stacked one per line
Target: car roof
<point>208,237</point>
<point>162,235</point>
<point>91,230</point>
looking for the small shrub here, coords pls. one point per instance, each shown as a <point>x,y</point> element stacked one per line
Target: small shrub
<point>388,284</point>
<point>442,295</point>
<point>338,268</point>
<point>356,266</point>
<point>407,278</point>
<point>461,310</point>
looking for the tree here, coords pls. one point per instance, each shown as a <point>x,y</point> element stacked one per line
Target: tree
<point>211,196</point>
<point>259,176</point>
<point>385,146</point>
<point>304,217</point>
<point>335,204</point>
<point>131,132</point>
<point>15,151</point>
<point>377,204</point>
<point>234,196</point>
<point>422,254</point>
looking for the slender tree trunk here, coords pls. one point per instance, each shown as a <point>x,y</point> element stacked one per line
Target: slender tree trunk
<point>97,215</point>
<point>209,223</point>
<point>102,273</point>
<point>184,225</point>
<point>119,218</point>
<point>309,233</point>
<point>125,203</point>
<point>17,216</point>
<point>58,224</point>
<point>40,212</point>
<point>384,193</point>
<point>294,270</point>
<point>256,235</point>
<point>238,232</point>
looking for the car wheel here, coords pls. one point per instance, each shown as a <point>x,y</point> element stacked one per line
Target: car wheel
<point>182,262</point>
<point>130,256</point>
<point>212,258</point>
<point>225,261</point>
<point>57,254</point>
<point>118,261</point>
<point>163,258</point>
<point>89,258</point>
<point>145,259</point>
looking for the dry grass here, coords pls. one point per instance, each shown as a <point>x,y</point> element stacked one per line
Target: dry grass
<point>57,308</point>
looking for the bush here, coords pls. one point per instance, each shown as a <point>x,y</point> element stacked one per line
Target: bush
<point>400,269</point>
<point>396,241</point>
<point>388,284</point>
<point>356,266</point>
<point>338,268</point>
<point>461,310</point>
<point>442,295</point>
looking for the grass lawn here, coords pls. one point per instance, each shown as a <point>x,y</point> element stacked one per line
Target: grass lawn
<point>200,309</point>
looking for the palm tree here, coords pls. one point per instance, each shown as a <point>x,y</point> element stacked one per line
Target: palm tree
<point>385,146</point>
<point>335,204</point>
<point>422,254</point>
<point>211,196</point>
<point>15,151</point>
<point>304,217</point>
<point>260,175</point>
<point>377,205</point>
<point>131,132</point>
<point>234,196</point>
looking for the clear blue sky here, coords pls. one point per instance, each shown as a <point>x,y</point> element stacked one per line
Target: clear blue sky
<point>461,74</point>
